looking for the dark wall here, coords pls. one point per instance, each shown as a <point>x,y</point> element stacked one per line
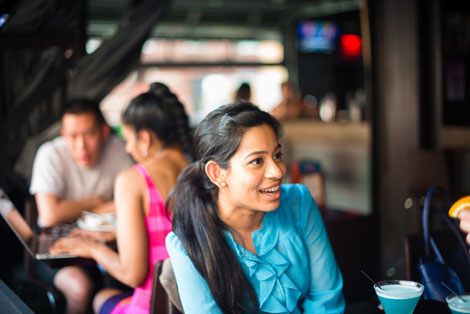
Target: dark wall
<point>322,73</point>
<point>455,22</point>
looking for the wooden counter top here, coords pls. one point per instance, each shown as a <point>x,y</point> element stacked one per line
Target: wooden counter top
<point>322,132</point>
<point>343,151</point>
<point>454,137</point>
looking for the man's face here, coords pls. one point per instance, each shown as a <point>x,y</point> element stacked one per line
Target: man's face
<point>84,137</point>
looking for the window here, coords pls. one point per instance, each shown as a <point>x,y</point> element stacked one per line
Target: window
<point>204,74</point>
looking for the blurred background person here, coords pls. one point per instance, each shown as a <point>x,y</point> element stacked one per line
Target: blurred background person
<point>243,93</point>
<point>75,172</point>
<point>291,105</point>
<point>157,136</point>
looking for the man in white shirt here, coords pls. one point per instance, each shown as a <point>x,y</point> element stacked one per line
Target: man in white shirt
<point>73,173</point>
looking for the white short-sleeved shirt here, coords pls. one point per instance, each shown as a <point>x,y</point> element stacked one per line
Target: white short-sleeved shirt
<point>55,171</point>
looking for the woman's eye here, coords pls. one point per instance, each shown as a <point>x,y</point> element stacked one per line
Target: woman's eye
<point>257,161</point>
<point>278,155</point>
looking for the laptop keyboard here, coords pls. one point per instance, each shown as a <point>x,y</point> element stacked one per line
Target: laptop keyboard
<point>45,243</point>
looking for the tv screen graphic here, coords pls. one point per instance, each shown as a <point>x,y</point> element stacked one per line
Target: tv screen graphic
<point>317,36</point>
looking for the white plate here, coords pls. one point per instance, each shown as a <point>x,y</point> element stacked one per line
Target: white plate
<point>81,223</point>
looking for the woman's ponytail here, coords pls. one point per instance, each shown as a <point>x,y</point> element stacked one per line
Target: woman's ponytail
<point>197,225</point>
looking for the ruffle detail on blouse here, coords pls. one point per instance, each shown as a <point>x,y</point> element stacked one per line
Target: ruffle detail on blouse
<point>269,270</point>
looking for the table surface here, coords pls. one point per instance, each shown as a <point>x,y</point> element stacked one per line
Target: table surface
<point>431,306</point>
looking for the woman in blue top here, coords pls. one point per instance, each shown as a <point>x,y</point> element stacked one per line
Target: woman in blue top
<point>242,242</point>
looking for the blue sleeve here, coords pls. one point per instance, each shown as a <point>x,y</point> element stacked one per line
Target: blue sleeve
<point>194,292</point>
<point>326,283</point>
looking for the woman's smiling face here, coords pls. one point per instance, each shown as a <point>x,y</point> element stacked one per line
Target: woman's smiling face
<point>253,179</point>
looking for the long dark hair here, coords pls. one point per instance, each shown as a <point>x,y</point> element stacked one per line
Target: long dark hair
<point>162,114</point>
<point>194,205</point>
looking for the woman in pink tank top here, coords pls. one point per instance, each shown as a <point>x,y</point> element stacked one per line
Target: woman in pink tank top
<point>155,127</point>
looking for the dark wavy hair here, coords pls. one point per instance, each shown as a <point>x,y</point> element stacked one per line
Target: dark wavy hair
<point>193,202</point>
<point>162,114</point>
<point>181,118</point>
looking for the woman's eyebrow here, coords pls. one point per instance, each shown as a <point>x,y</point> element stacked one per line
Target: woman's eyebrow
<point>261,152</point>
<point>256,153</point>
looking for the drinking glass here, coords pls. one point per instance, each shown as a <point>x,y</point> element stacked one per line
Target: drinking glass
<point>398,296</point>
<point>456,305</point>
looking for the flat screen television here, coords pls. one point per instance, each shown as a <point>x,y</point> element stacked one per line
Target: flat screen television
<point>314,36</point>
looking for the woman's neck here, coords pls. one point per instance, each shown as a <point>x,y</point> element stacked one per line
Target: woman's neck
<point>159,152</point>
<point>241,220</point>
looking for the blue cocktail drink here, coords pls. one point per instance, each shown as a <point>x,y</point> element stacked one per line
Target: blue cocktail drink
<point>399,296</point>
<point>457,305</point>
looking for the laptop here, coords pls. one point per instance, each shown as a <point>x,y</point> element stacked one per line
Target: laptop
<point>37,245</point>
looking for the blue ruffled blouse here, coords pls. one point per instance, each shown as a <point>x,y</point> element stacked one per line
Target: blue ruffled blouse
<point>295,270</point>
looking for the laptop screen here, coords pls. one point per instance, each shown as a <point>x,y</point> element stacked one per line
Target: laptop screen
<point>37,245</point>
<point>21,229</point>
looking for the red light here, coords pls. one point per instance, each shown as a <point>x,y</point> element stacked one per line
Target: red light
<point>351,46</point>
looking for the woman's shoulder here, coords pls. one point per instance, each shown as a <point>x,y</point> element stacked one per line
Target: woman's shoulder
<point>129,180</point>
<point>173,244</point>
<point>296,201</point>
<point>294,191</point>
<point>128,174</point>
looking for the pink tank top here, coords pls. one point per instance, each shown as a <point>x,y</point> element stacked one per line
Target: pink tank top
<point>158,226</point>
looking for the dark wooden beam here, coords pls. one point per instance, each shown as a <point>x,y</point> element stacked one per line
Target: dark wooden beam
<point>42,40</point>
<point>207,64</point>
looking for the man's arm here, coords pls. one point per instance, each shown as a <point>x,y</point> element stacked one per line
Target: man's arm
<point>52,210</point>
<point>104,208</point>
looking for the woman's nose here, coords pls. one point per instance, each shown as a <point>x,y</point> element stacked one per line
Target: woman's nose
<point>275,170</point>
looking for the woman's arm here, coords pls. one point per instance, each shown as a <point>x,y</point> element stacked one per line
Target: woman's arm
<point>131,265</point>
<point>326,283</point>
<point>194,292</point>
<point>132,237</point>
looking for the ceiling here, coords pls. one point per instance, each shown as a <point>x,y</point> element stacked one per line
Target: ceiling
<point>218,18</point>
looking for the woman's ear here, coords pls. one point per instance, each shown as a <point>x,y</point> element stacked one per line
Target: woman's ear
<point>145,137</point>
<point>215,173</point>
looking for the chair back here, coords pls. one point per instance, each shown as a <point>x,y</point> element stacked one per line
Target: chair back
<point>414,249</point>
<point>31,212</point>
<point>31,217</point>
<point>310,173</point>
<point>160,303</point>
